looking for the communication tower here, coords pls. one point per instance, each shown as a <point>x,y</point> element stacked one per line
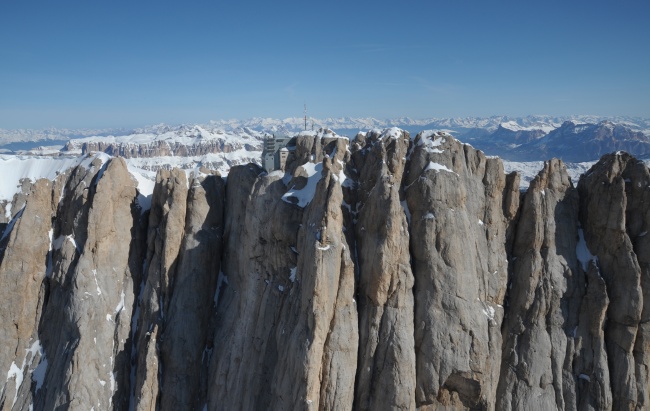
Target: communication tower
<point>305,113</point>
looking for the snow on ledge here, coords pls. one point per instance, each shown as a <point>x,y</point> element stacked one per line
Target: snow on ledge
<point>582,251</point>
<point>437,167</point>
<point>431,139</point>
<point>304,195</point>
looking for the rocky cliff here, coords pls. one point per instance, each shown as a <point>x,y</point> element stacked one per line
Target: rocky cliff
<point>163,148</point>
<point>385,273</point>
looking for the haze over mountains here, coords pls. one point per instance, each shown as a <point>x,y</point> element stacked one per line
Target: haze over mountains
<point>531,138</point>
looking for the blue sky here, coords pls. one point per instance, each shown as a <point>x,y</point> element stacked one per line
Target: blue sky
<point>118,63</point>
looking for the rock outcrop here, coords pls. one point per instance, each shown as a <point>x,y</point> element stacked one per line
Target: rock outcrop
<point>386,273</point>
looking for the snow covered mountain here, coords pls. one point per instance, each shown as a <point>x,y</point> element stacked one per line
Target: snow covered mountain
<point>575,142</point>
<point>524,143</point>
<point>461,126</point>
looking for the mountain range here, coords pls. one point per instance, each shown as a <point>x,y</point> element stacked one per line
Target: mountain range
<point>531,138</point>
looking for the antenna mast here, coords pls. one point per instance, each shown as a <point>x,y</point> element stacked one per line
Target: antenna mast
<point>305,112</point>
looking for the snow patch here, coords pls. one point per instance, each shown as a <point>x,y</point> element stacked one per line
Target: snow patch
<point>393,132</point>
<point>15,168</point>
<point>514,126</point>
<point>582,251</point>
<point>305,194</point>
<point>405,206</point>
<point>437,167</point>
<point>431,139</point>
<point>489,312</point>
<point>38,374</point>
<point>99,291</point>
<point>145,182</point>
<point>17,374</point>
<point>120,305</point>
<point>58,242</point>
<point>343,179</point>
<point>530,169</point>
<point>292,276</point>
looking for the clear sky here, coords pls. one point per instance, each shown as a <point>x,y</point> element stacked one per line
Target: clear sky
<point>101,63</point>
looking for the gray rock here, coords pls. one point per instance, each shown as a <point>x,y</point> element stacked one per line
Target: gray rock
<point>165,235</point>
<point>395,273</point>
<point>614,196</point>
<point>386,369</point>
<point>23,290</point>
<point>286,334</point>
<point>545,291</point>
<point>186,337</point>
<point>86,320</point>
<point>458,234</point>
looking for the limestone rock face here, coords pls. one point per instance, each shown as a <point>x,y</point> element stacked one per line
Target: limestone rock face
<point>385,273</point>
<point>187,340</point>
<point>614,211</point>
<point>455,197</point>
<point>287,321</point>
<point>22,276</point>
<point>543,324</point>
<point>70,263</point>
<point>165,235</point>
<point>386,369</point>
<point>183,262</point>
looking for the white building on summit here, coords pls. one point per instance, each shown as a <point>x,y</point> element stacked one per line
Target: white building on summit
<point>275,152</point>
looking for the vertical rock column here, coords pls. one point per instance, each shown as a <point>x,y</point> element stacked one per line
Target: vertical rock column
<point>183,261</point>
<point>458,234</point>
<point>544,301</point>
<point>165,235</point>
<point>187,319</point>
<point>85,328</point>
<point>22,287</point>
<point>260,231</point>
<point>386,367</point>
<point>614,197</point>
<point>286,336</point>
<point>321,322</point>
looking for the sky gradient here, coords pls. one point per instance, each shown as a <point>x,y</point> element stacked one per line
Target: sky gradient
<point>123,64</point>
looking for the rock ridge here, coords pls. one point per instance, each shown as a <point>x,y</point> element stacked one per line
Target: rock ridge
<point>390,272</point>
